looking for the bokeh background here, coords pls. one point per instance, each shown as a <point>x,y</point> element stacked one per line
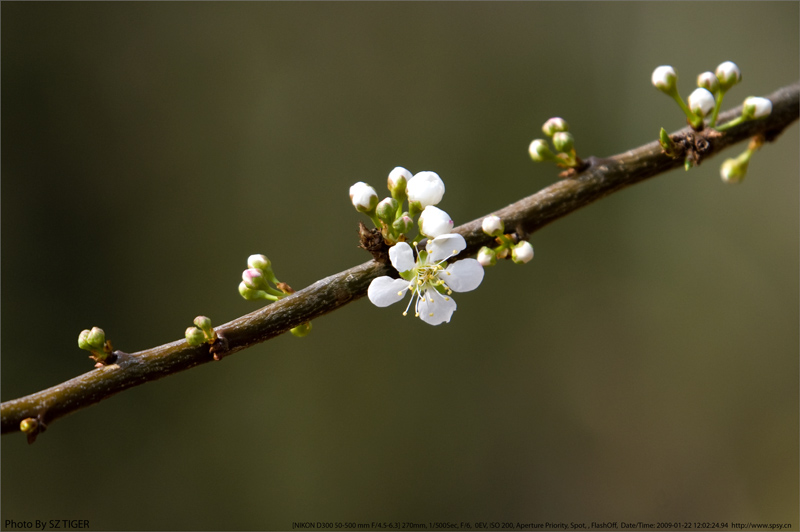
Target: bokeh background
<point>643,367</point>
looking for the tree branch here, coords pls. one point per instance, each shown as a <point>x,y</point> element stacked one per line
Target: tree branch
<point>602,177</point>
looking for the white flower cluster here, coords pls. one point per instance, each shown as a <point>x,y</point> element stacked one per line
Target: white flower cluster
<point>424,273</point>
<point>423,191</point>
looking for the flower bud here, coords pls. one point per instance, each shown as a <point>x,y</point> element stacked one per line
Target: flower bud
<point>204,324</point>
<point>260,262</point>
<point>96,338</point>
<point>554,125</point>
<point>563,141</point>
<point>493,225</point>
<point>733,170</point>
<point>665,79</point>
<point>302,329</point>
<point>28,425</point>
<point>404,224</point>
<point>756,107</point>
<point>522,252</point>
<point>254,279</point>
<point>387,209</point>
<point>540,151</point>
<point>708,81</point>
<point>434,222</point>
<point>425,188</point>
<point>487,257</point>
<point>195,336</point>
<point>728,75</point>
<point>701,102</point>
<point>397,182</point>
<point>250,294</point>
<point>83,340</point>
<point>364,197</point>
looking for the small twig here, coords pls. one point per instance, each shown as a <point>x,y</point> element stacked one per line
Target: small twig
<point>600,178</point>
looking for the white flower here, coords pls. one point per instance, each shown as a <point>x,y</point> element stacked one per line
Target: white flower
<point>492,225</point>
<point>434,222</point>
<point>701,101</point>
<point>664,78</point>
<point>428,278</point>
<point>363,196</point>
<point>756,107</point>
<point>522,252</point>
<point>728,74</point>
<point>425,188</point>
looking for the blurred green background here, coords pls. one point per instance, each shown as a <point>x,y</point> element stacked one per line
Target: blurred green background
<point>644,366</point>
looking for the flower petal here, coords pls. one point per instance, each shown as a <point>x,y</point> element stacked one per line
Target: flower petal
<point>383,291</point>
<point>445,246</point>
<point>463,276</point>
<point>435,308</point>
<point>402,257</point>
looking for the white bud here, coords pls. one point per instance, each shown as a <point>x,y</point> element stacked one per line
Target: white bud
<point>728,75</point>
<point>522,252</point>
<point>701,101</point>
<point>363,196</point>
<point>398,178</point>
<point>425,188</point>
<point>708,80</point>
<point>492,225</point>
<point>487,257</point>
<point>757,107</point>
<point>664,78</point>
<point>434,222</point>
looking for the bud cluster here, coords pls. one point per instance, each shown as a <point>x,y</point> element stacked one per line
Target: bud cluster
<point>259,282</point>
<point>563,142</point>
<point>202,333</point>
<point>509,247</point>
<point>95,342</point>
<point>707,100</point>
<point>422,191</point>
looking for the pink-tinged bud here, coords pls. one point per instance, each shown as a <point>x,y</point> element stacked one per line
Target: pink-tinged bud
<point>254,279</point>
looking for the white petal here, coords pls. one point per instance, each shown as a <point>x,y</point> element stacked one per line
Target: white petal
<point>445,246</point>
<point>383,291</point>
<point>402,257</point>
<point>435,308</point>
<point>463,276</point>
